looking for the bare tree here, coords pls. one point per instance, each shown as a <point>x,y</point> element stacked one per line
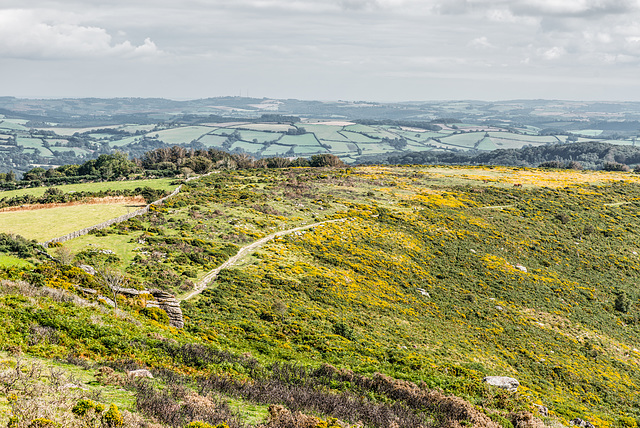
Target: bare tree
<point>112,279</point>
<point>64,255</point>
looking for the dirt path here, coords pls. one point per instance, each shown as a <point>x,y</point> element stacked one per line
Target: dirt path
<point>244,252</point>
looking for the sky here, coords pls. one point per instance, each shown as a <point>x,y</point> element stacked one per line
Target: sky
<point>369,50</point>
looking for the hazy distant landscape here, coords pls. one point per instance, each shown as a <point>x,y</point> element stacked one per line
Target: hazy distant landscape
<point>49,133</point>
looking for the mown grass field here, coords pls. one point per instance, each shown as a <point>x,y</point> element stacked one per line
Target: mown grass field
<point>48,223</point>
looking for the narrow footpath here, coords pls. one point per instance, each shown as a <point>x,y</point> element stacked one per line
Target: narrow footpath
<point>244,252</point>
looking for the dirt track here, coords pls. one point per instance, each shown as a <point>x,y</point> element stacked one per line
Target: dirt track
<point>244,252</point>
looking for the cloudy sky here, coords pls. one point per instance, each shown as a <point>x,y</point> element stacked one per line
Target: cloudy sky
<point>379,50</point>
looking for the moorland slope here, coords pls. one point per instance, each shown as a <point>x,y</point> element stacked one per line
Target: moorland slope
<point>434,278</point>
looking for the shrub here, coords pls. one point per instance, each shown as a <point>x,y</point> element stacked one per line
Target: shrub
<point>42,423</point>
<point>200,424</point>
<point>344,330</point>
<point>622,304</point>
<point>112,418</point>
<point>156,314</point>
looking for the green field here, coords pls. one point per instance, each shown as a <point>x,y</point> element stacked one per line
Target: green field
<point>358,138</point>
<point>210,140</point>
<point>274,127</point>
<point>276,150</point>
<point>181,135</point>
<point>526,139</point>
<point>487,144</point>
<point>587,132</point>
<point>338,147</point>
<point>125,141</point>
<point>247,147</point>
<point>12,125</point>
<point>8,261</point>
<point>306,151</point>
<point>513,144</point>
<point>371,131</point>
<point>326,132</point>
<point>261,137</point>
<point>299,140</point>
<point>135,128</point>
<point>158,183</point>
<point>375,148</point>
<point>418,148</point>
<point>48,223</point>
<point>122,245</point>
<point>422,136</point>
<point>467,139</point>
<point>76,150</point>
<point>35,143</point>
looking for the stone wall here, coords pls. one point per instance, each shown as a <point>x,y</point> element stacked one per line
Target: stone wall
<point>109,222</point>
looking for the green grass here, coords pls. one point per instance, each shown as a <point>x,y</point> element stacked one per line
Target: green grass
<point>121,245</point>
<point>346,293</point>
<point>340,147</point>
<point>525,138</point>
<point>358,138</point>
<point>159,183</point>
<point>48,223</point>
<point>8,261</point>
<point>76,150</point>
<point>261,137</point>
<point>247,147</point>
<point>299,140</point>
<point>212,140</point>
<point>12,125</point>
<point>325,132</point>
<point>252,414</point>
<point>125,141</point>
<point>486,144</point>
<point>308,150</point>
<point>276,150</point>
<point>467,139</point>
<point>273,127</point>
<point>181,135</point>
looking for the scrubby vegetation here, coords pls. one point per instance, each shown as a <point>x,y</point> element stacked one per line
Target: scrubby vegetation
<point>414,285</point>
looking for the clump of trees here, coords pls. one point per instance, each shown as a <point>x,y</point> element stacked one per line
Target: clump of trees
<point>162,162</point>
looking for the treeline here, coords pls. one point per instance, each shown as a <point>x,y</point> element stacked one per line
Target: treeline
<point>179,160</point>
<point>163,162</point>
<point>54,195</point>
<point>588,155</point>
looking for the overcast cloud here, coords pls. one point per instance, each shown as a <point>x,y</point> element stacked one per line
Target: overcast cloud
<point>383,50</point>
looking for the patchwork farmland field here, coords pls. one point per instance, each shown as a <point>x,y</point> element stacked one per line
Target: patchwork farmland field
<point>47,223</point>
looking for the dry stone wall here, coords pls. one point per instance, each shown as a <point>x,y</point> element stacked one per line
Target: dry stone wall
<point>110,222</point>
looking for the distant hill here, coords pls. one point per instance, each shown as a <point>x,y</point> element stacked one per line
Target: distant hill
<point>49,133</point>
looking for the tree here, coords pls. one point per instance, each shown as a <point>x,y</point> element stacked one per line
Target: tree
<point>111,279</point>
<point>325,160</point>
<point>64,255</point>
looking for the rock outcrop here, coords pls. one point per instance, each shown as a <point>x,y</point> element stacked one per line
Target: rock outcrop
<point>168,303</point>
<point>140,373</point>
<point>504,382</point>
<point>581,423</point>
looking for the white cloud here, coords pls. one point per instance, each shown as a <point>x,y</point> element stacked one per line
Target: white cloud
<point>553,53</point>
<point>24,35</point>
<point>481,42</point>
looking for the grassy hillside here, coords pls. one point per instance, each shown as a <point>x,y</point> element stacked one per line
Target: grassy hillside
<point>433,276</point>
